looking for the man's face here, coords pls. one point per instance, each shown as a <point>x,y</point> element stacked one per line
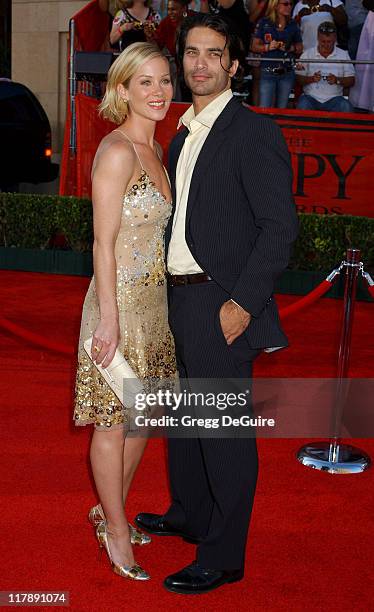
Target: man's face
<point>204,60</point>
<point>326,43</point>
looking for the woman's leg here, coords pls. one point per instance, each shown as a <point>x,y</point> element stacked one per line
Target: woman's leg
<point>284,86</point>
<point>107,466</point>
<point>132,453</point>
<point>267,90</point>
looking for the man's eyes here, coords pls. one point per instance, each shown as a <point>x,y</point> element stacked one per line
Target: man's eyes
<point>212,53</point>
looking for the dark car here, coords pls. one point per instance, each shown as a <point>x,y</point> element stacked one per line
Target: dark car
<point>25,138</point>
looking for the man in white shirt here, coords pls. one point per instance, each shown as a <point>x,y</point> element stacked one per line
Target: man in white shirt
<point>228,239</point>
<point>323,83</point>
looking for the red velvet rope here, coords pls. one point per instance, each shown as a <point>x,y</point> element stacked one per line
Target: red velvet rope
<point>35,339</point>
<point>64,349</point>
<point>371,290</point>
<point>308,299</point>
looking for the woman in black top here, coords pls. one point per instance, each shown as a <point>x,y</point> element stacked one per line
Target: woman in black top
<point>136,21</point>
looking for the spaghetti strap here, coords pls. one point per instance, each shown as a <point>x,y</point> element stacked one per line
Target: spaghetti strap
<point>129,140</point>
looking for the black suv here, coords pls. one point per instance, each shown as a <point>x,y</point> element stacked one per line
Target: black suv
<point>25,138</point>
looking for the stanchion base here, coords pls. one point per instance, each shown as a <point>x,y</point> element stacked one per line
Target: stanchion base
<point>351,460</point>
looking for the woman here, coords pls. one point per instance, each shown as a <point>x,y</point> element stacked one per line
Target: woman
<point>136,21</point>
<point>125,305</point>
<point>310,13</point>
<point>275,35</point>
<point>166,34</point>
<point>361,95</point>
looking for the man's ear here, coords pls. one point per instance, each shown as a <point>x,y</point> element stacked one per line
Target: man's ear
<point>233,68</point>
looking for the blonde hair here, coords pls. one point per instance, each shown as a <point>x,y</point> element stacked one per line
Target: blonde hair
<point>112,106</point>
<point>271,12</point>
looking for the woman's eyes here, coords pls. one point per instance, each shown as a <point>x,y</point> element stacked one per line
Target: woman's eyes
<point>164,82</point>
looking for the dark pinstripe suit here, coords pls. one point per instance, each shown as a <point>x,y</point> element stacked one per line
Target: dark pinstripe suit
<point>240,224</point>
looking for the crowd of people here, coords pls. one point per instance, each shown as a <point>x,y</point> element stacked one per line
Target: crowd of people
<point>285,47</point>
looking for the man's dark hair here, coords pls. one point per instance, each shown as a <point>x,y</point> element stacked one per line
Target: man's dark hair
<point>219,25</point>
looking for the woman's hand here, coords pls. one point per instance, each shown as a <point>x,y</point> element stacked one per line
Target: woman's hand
<point>105,341</point>
<point>126,27</point>
<point>149,30</point>
<point>274,45</point>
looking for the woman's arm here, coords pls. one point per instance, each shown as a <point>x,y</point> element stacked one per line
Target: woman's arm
<point>119,27</point>
<point>258,46</point>
<point>112,171</point>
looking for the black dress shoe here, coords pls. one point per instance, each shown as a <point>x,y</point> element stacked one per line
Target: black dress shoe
<point>194,579</point>
<point>156,523</point>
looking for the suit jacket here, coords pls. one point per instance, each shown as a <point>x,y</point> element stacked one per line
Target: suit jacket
<point>241,219</point>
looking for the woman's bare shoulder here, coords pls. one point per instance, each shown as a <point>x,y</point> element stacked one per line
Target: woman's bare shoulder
<point>114,151</point>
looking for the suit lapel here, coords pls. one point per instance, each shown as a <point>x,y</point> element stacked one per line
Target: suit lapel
<point>211,146</point>
<point>174,156</point>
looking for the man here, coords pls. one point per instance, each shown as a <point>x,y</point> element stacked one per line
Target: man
<point>323,83</point>
<point>229,238</point>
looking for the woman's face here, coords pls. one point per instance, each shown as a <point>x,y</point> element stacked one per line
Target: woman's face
<point>284,8</point>
<point>150,90</point>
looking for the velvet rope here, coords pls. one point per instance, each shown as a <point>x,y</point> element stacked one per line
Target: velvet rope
<point>35,339</point>
<point>64,349</point>
<point>308,299</point>
<point>371,290</point>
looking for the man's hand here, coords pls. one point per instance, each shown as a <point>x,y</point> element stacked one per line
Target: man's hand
<point>325,8</point>
<point>316,77</point>
<point>332,79</point>
<point>234,320</point>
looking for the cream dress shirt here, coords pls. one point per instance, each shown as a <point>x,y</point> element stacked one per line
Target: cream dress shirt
<point>180,260</point>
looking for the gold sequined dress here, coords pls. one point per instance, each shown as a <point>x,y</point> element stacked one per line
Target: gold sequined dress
<point>146,340</point>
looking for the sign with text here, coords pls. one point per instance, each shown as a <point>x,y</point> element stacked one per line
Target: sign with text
<point>332,154</point>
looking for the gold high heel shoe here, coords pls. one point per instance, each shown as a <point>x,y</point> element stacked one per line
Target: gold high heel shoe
<point>135,572</point>
<point>96,516</point>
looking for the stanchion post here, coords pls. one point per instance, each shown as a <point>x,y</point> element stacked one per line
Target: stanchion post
<point>333,456</point>
<point>72,88</point>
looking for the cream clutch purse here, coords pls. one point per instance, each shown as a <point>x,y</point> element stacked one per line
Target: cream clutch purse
<point>120,377</point>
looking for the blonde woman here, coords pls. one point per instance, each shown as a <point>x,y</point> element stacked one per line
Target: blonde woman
<point>135,21</point>
<point>125,305</point>
<point>275,35</point>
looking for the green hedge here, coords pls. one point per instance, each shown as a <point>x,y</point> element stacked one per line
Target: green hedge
<point>32,221</point>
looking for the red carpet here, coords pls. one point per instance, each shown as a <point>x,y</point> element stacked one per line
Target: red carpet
<point>311,539</point>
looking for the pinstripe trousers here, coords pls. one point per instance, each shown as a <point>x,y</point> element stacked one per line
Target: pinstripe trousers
<point>212,480</point>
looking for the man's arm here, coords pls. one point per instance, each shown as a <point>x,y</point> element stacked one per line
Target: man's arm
<point>266,176</point>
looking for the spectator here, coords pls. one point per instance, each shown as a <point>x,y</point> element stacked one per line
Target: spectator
<point>362,94</point>
<point>234,13</point>
<point>356,14</point>
<point>277,35</point>
<point>322,83</point>
<point>310,14</point>
<point>256,11</point>
<point>165,35</point>
<point>136,21</point>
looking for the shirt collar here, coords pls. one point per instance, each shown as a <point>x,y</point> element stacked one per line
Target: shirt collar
<point>208,115</point>
<point>333,54</point>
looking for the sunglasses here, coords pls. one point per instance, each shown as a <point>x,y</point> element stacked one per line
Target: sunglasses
<point>285,3</point>
<point>326,30</point>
